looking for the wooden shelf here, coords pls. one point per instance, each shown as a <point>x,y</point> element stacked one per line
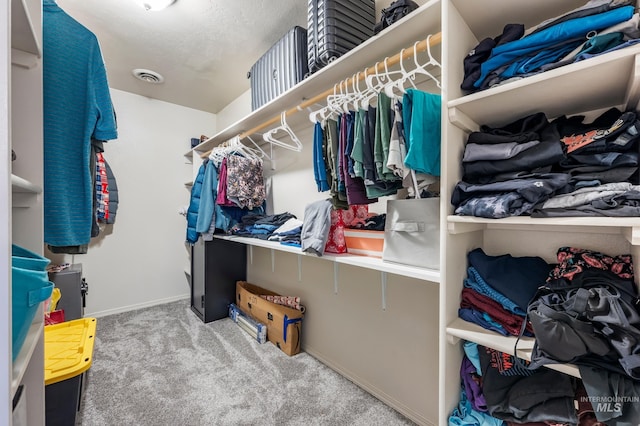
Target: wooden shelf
<point>419,23</point>
<point>373,263</point>
<point>462,329</point>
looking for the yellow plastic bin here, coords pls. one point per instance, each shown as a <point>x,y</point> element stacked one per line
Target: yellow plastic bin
<point>68,353</point>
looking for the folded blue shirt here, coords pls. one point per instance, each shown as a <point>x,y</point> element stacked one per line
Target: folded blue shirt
<point>508,52</point>
<point>475,282</point>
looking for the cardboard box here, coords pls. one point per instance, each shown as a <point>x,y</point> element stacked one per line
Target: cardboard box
<point>364,242</point>
<point>284,324</point>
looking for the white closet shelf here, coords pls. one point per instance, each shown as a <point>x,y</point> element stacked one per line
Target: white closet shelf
<point>627,226</point>
<point>568,90</point>
<point>23,192</point>
<point>24,356</point>
<point>23,35</point>
<point>373,263</point>
<point>423,21</point>
<point>462,329</point>
<point>22,185</point>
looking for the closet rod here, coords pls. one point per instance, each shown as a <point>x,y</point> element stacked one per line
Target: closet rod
<point>406,53</point>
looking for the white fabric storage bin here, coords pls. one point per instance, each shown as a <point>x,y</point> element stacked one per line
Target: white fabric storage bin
<point>412,232</point>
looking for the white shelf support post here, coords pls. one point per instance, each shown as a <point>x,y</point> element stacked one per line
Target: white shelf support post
<point>383,281</point>
<point>335,278</point>
<point>273,261</point>
<point>632,234</point>
<point>632,97</point>
<point>299,268</point>
<point>251,255</point>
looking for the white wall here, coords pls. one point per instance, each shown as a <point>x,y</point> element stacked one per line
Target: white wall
<point>237,109</point>
<point>141,259</point>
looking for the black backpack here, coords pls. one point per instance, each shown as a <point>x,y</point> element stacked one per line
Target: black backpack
<point>397,10</point>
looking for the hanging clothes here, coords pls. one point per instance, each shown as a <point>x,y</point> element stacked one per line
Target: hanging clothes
<point>102,189</point>
<point>384,120</point>
<point>113,194</point>
<point>421,118</point>
<point>319,169</point>
<point>77,107</point>
<point>355,189</point>
<point>245,182</point>
<point>377,133</point>
<point>357,152</point>
<point>338,190</point>
<point>194,206</point>
<point>221,196</point>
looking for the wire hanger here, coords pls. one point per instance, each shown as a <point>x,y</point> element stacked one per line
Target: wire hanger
<point>269,136</point>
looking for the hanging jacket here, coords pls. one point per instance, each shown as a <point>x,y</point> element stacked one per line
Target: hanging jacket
<point>207,198</point>
<point>113,194</point>
<point>194,205</point>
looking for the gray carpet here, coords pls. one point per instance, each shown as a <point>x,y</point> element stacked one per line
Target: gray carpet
<point>163,366</point>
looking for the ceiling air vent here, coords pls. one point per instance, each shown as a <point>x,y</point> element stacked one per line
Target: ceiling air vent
<point>148,76</point>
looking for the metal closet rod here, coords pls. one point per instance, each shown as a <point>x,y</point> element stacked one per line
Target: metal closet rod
<point>406,53</point>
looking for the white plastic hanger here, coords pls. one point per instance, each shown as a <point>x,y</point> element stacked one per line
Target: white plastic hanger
<point>284,127</point>
<point>318,115</point>
<point>236,146</point>
<point>419,68</point>
<point>256,149</point>
<point>422,69</point>
<point>398,85</point>
<point>382,80</point>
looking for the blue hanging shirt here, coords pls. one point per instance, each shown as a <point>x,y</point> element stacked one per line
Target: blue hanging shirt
<point>421,119</point>
<point>77,107</point>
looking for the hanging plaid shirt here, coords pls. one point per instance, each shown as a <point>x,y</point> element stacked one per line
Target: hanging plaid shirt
<point>102,189</point>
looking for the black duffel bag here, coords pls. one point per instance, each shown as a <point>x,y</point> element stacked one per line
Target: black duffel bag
<point>396,11</point>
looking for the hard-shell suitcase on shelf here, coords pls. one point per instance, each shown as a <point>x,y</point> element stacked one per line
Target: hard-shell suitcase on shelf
<point>280,68</point>
<point>335,27</point>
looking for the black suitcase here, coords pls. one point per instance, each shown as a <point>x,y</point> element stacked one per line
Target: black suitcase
<point>280,68</point>
<point>335,27</point>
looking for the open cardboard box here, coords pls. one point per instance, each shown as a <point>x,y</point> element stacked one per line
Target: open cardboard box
<point>284,324</point>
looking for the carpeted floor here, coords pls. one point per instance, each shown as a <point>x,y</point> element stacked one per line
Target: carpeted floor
<point>163,366</point>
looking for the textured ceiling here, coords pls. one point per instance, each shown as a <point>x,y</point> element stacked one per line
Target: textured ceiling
<point>203,48</point>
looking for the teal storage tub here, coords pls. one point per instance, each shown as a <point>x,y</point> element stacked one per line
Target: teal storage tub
<point>30,286</point>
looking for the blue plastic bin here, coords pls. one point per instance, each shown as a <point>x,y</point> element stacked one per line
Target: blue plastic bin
<point>30,287</point>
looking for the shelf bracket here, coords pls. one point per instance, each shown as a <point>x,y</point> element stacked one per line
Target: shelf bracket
<point>251,255</point>
<point>453,340</point>
<point>462,121</point>
<point>299,268</point>
<point>632,98</point>
<point>273,261</point>
<point>383,281</point>
<point>23,59</point>
<point>335,278</point>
